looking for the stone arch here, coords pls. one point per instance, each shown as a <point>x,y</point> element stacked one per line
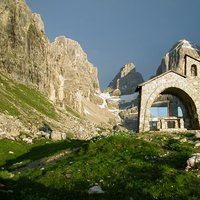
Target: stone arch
<point>182,92</point>
<point>188,104</point>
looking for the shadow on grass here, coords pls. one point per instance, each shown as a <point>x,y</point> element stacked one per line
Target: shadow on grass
<point>142,174</point>
<point>27,189</point>
<point>42,151</point>
<point>163,182</point>
<point>137,183</point>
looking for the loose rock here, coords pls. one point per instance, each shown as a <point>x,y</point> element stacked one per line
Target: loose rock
<point>193,160</point>
<point>197,145</point>
<point>95,190</point>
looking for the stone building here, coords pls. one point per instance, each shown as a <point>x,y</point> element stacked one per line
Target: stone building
<point>176,94</point>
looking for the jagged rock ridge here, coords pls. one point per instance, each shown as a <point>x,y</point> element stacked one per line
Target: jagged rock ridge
<point>74,77</point>
<point>125,82</point>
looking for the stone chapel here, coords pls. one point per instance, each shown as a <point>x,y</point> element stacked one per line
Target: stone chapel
<point>176,95</point>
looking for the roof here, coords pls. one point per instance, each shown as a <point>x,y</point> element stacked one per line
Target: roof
<point>156,77</point>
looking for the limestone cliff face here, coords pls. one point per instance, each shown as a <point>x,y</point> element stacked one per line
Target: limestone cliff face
<point>23,43</point>
<point>60,69</point>
<point>72,77</point>
<point>174,59</point>
<point>125,82</point>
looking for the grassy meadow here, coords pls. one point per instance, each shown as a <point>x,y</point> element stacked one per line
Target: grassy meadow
<point>125,165</point>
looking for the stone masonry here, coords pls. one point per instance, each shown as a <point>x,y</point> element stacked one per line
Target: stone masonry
<point>185,86</point>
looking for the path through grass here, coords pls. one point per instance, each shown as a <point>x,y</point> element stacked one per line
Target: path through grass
<point>126,166</point>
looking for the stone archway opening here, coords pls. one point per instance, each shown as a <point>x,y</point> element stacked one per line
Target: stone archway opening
<point>173,109</point>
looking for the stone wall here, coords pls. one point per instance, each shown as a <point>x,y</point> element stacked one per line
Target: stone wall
<point>189,62</point>
<point>186,88</point>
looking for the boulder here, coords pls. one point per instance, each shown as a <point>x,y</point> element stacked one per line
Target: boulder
<point>197,135</point>
<point>197,145</point>
<point>95,190</point>
<point>28,140</point>
<point>193,160</point>
<point>56,135</point>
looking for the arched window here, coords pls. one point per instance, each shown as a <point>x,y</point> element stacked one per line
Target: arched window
<point>193,70</point>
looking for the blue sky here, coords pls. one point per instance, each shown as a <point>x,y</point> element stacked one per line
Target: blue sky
<point>116,32</point>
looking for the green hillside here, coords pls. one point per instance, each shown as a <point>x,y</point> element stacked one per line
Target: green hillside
<point>126,166</point>
<point>21,101</point>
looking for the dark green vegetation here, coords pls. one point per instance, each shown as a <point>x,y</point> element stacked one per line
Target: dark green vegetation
<point>137,166</point>
<point>20,100</point>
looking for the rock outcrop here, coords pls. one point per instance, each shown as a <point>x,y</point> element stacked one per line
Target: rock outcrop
<point>60,69</point>
<point>73,77</point>
<point>174,59</point>
<point>125,82</point>
<point>23,44</point>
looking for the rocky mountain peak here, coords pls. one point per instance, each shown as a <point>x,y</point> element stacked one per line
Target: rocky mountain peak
<point>126,69</point>
<point>125,82</point>
<point>74,76</point>
<point>184,44</point>
<point>38,21</point>
<point>175,58</point>
<point>72,47</point>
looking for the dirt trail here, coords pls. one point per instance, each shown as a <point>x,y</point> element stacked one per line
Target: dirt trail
<point>53,159</point>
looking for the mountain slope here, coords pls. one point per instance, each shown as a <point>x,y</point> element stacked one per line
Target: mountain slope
<point>60,69</point>
<point>24,111</point>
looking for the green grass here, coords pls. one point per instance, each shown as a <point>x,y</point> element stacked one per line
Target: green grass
<point>20,100</point>
<point>7,146</point>
<point>32,98</point>
<point>26,153</point>
<point>138,166</point>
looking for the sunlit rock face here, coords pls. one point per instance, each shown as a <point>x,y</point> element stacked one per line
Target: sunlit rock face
<point>125,82</point>
<point>175,58</point>
<point>60,69</point>
<point>23,44</point>
<point>73,77</point>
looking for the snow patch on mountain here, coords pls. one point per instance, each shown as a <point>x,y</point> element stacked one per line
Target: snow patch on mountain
<point>120,99</point>
<point>185,44</point>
